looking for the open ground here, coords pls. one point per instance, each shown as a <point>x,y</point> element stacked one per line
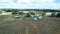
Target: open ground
<point>10,25</point>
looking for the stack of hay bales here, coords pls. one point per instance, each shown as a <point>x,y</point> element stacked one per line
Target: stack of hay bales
<point>48,14</point>
<point>53,14</point>
<point>37,14</point>
<point>6,13</point>
<point>26,12</point>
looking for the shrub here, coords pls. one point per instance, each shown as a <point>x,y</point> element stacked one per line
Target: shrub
<point>58,15</point>
<point>32,13</point>
<point>43,14</point>
<point>0,12</point>
<point>14,13</point>
<point>28,15</point>
<point>20,13</point>
<point>53,14</point>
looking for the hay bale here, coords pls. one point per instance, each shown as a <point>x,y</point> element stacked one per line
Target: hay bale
<point>35,18</point>
<point>39,17</point>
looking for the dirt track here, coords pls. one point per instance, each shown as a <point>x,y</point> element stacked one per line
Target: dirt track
<point>47,25</point>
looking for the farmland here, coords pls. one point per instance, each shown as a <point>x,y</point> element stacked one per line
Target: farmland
<point>10,25</point>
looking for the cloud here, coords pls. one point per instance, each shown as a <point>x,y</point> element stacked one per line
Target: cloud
<point>35,1</point>
<point>22,1</point>
<point>9,1</point>
<point>35,4</point>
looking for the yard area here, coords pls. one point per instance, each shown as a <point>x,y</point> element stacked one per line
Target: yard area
<point>10,25</point>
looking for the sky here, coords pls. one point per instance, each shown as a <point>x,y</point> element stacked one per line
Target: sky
<point>30,4</point>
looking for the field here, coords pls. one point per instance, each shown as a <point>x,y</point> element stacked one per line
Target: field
<point>10,25</point>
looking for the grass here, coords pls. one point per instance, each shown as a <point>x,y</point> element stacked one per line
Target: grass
<point>10,25</point>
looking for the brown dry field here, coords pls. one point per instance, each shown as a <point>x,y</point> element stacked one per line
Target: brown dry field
<point>48,25</point>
